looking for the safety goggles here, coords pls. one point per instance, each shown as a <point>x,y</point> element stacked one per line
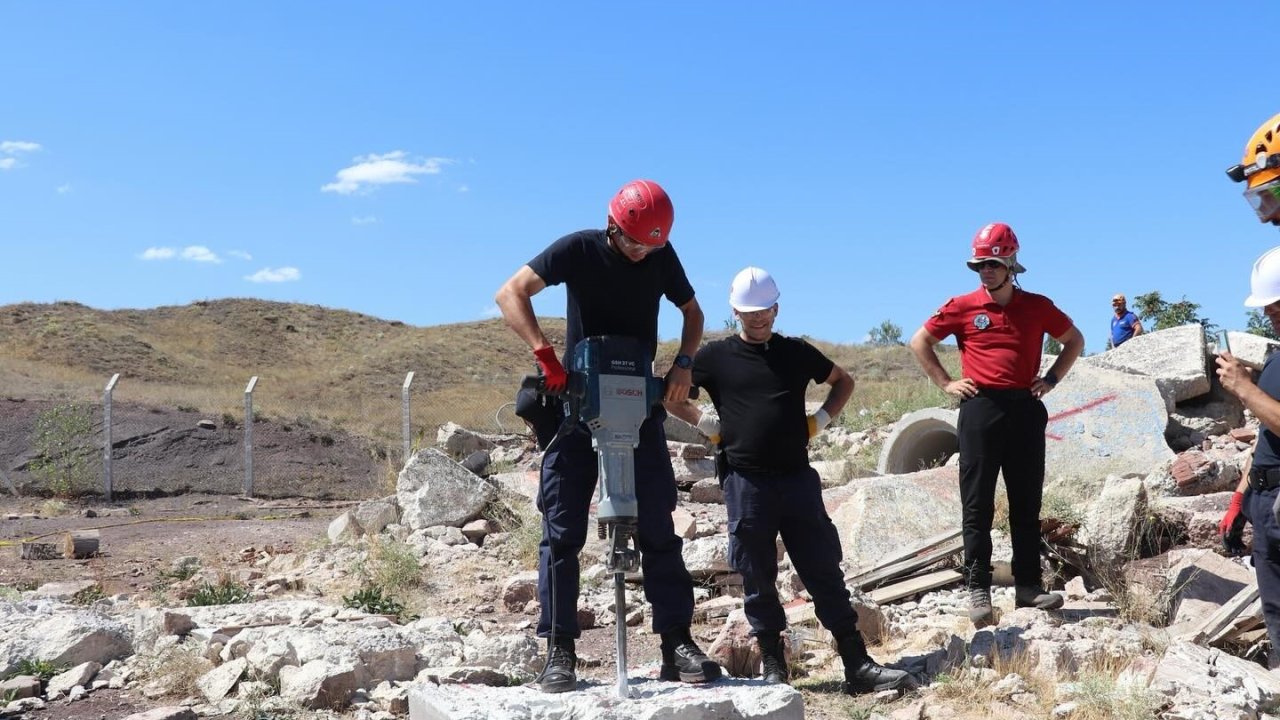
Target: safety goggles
<point>1265,200</point>
<point>629,246</point>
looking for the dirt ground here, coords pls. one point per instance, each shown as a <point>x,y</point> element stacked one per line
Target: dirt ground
<point>141,538</point>
<point>162,451</point>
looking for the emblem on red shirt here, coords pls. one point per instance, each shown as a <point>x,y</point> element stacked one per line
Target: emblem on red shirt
<point>982,322</point>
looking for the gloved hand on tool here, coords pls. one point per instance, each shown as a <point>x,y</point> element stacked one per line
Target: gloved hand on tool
<point>709,425</point>
<point>1231,528</point>
<point>554,377</point>
<point>818,421</point>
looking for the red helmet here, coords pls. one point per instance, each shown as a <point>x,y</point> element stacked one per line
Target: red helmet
<point>643,211</point>
<point>996,241</point>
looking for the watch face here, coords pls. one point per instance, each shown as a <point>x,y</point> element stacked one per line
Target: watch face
<point>684,362</point>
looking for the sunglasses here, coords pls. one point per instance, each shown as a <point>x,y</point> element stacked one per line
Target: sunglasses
<point>987,265</point>
<point>626,244</point>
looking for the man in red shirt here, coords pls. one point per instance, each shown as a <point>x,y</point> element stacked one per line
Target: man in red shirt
<point>999,329</point>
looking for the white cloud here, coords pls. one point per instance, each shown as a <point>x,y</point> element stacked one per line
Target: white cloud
<point>14,147</point>
<point>463,189</point>
<point>157,253</point>
<point>64,188</point>
<point>240,254</point>
<point>493,311</point>
<point>8,163</point>
<point>274,275</point>
<point>372,170</point>
<point>364,220</point>
<point>200,253</point>
<point>191,253</point>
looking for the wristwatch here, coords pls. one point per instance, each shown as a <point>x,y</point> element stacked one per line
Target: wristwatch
<point>684,362</point>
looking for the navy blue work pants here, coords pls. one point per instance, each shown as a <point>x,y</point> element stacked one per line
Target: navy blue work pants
<point>763,506</point>
<point>1001,430</point>
<point>570,469</point>
<point>1266,560</point>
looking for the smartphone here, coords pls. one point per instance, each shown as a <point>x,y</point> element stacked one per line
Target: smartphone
<point>1222,341</point>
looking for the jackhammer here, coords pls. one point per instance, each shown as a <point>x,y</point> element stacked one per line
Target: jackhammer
<point>612,391</point>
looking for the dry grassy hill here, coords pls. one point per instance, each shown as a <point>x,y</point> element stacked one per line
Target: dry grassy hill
<point>331,366</point>
<point>311,361</point>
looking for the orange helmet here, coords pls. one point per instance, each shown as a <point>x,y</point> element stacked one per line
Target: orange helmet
<point>1259,169</point>
<point>1258,166</point>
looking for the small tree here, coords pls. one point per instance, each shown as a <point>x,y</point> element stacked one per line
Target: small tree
<point>731,323</point>
<point>1259,324</point>
<point>886,334</point>
<point>62,462</point>
<point>1163,314</point>
<point>1051,346</point>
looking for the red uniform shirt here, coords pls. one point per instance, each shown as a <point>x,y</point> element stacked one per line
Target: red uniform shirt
<point>999,346</point>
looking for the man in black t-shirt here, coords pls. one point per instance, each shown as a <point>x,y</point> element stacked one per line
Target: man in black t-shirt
<point>757,381</point>
<point>615,279</point>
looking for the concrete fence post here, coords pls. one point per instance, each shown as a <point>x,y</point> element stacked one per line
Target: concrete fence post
<point>406,430</point>
<point>107,480</point>
<point>248,436</point>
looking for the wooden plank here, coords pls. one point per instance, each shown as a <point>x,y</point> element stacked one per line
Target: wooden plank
<point>933,550</point>
<point>919,584</point>
<point>1223,617</point>
<point>1247,620</point>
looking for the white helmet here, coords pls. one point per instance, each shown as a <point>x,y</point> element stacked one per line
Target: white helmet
<point>753,289</point>
<point>1264,283</point>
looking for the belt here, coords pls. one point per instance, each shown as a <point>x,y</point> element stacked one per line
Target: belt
<point>1006,393</point>
<point>1262,479</point>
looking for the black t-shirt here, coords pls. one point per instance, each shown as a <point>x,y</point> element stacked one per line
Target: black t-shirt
<point>608,294</point>
<point>1267,454</point>
<point>758,389</point>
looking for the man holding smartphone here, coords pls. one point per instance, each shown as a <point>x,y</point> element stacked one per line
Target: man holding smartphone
<point>1258,493</point>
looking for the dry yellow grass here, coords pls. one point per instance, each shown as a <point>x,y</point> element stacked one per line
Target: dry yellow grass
<point>336,368</point>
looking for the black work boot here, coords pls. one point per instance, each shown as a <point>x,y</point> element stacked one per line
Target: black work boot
<point>864,675</point>
<point>683,660</point>
<point>773,659</point>
<point>560,673</point>
<point>981,612</point>
<point>1036,597</point>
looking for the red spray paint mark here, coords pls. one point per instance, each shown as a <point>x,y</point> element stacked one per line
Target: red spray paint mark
<point>1076,411</point>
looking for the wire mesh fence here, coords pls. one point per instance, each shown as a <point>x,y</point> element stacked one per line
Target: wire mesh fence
<point>261,436</point>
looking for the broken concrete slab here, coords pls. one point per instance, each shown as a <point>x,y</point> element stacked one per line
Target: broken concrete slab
<point>726,699</point>
<point>1103,422</point>
<point>1252,350</point>
<point>1174,357</point>
<point>921,505</point>
<point>434,490</point>
<point>1114,525</point>
<point>1201,582</point>
<point>1214,683</point>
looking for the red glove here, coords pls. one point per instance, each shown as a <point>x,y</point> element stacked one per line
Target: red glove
<point>1231,528</point>
<point>554,377</point>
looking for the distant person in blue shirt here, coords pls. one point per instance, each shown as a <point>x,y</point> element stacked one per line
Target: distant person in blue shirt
<point>1124,324</point>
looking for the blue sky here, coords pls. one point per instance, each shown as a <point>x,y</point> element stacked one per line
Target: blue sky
<point>402,160</point>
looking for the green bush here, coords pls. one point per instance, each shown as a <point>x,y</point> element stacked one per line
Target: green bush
<point>372,599</point>
<point>63,461</point>
<point>226,592</point>
<point>42,669</point>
